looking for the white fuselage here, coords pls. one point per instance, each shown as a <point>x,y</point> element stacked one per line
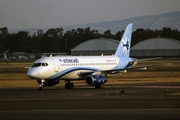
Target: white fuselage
<point>71,67</point>
<point>93,69</point>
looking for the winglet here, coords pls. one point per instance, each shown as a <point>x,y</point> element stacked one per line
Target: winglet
<point>123,49</point>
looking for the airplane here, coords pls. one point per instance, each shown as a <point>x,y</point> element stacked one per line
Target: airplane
<point>48,71</point>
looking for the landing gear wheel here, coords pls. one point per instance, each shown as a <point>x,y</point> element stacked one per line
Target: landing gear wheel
<point>69,85</point>
<point>99,86</point>
<point>41,88</point>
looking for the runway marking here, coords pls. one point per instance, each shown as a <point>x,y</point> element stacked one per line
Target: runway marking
<point>87,110</point>
<point>175,87</point>
<point>22,99</point>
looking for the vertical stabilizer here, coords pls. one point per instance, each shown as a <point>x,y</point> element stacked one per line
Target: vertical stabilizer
<point>123,49</point>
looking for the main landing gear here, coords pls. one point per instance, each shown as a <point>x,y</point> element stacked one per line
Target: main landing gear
<point>99,86</point>
<point>69,85</point>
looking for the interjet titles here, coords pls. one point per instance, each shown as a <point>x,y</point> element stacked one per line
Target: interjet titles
<point>69,60</point>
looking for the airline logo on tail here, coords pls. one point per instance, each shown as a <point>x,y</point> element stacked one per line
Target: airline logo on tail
<point>123,49</point>
<point>125,45</point>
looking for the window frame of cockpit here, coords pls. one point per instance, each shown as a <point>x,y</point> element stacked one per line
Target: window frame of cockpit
<point>39,64</point>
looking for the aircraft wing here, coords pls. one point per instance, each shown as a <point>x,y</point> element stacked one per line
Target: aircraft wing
<point>138,60</point>
<point>84,74</point>
<point>114,71</point>
<point>123,70</point>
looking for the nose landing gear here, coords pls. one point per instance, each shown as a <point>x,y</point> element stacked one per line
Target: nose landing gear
<point>41,84</point>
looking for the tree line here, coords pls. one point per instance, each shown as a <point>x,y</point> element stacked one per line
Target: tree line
<point>57,40</point>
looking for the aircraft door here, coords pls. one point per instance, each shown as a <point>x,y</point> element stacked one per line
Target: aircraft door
<point>56,65</point>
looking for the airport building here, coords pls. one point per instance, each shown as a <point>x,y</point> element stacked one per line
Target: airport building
<point>96,47</point>
<point>156,47</point>
<point>147,48</point>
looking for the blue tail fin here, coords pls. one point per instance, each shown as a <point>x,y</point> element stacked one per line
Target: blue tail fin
<point>123,49</point>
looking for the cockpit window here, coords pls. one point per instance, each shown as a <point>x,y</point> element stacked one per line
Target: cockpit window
<point>39,64</point>
<point>43,64</point>
<point>36,65</point>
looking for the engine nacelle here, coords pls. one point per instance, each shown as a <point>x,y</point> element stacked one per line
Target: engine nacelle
<point>95,79</point>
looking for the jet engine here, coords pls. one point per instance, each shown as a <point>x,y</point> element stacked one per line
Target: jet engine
<point>95,80</point>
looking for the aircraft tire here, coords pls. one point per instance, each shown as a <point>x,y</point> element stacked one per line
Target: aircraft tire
<point>99,86</point>
<point>41,88</point>
<point>69,85</point>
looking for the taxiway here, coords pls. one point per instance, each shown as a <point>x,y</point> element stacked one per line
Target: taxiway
<point>150,101</point>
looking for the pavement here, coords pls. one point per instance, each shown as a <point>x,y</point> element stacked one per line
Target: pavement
<point>132,101</point>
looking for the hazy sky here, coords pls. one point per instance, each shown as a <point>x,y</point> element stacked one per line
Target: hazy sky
<point>20,14</point>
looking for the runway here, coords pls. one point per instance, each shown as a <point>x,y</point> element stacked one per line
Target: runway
<point>137,102</point>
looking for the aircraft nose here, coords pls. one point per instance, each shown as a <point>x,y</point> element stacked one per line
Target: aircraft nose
<point>32,73</point>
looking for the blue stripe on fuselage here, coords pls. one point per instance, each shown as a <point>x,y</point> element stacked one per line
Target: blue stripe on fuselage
<point>66,71</point>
